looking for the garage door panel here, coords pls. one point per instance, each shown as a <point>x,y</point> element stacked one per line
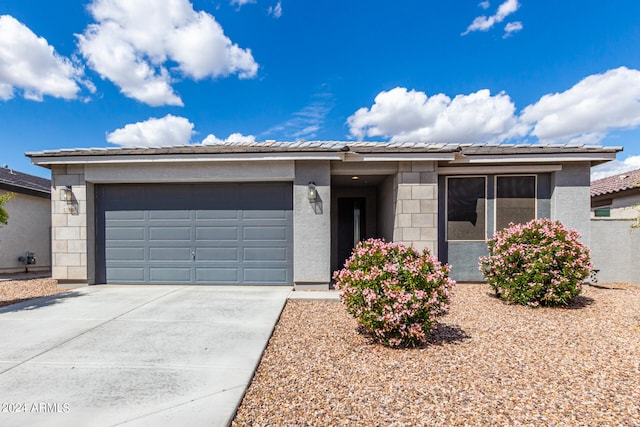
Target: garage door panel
<point>182,234</point>
<point>218,254</point>
<point>125,234</point>
<point>170,254</point>
<point>239,233</point>
<point>221,275</point>
<point>170,274</point>
<point>127,274</point>
<point>264,214</point>
<point>124,215</point>
<point>217,233</point>
<point>265,254</point>
<point>222,215</point>
<point>268,232</point>
<point>169,215</point>
<point>265,275</point>
<point>125,254</point>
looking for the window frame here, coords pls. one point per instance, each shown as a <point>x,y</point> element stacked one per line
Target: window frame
<point>446,208</point>
<point>606,208</point>
<point>495,195</point>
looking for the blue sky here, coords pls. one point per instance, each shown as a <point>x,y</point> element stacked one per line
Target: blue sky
<point>108,73</point>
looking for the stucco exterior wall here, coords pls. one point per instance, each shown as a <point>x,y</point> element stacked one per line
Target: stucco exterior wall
<point>28,229</point>
<point>236,171</point>
<point>571,199</point>
<point>416,206</point>
<point>69,225</point>
<point>624,207</point>
<point>387,195</point>
<point>312,226</point>
<point>614,250</point>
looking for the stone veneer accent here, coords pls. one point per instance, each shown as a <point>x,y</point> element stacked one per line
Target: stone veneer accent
<point>69,225</point>
<point>416,205</point>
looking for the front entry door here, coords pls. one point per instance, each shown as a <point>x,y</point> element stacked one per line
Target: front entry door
<point>351,225</point>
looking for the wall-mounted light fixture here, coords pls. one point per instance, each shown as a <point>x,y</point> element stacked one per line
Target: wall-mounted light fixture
<point>312,193</point>
<point>66,195</point>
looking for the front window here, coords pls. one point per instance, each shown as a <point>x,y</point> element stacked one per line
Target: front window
<point>466,208</point>
<point>515,200</point>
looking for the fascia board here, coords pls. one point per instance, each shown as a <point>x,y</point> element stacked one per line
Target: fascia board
<point>398,157</point>
<point>184,158</point>
<point>484,170</point>
<point>534,158</point>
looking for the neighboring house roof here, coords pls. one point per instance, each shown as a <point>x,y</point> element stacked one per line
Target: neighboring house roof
<point>334,146</point>
<point>615,184</point>
<point>19,182</point>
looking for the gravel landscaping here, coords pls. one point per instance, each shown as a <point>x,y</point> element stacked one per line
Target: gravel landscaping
<point>488,363</point>
<point>15,291</point>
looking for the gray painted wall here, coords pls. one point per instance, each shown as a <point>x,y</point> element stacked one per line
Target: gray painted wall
<point>386,207</point>
<point>571,199</point>
<point>256,171</point>
<point>614,250</point>
<point>312,226</point>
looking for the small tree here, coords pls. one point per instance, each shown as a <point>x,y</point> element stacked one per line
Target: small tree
<point>4,215</point>
<point>538,263</point>
<point>395,292</point>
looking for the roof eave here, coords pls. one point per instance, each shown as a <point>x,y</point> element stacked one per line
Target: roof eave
<point>594,157</point>
<point>349,156</point>
<point>25,190</point>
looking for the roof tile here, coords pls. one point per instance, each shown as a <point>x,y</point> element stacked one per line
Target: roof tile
<point>616,183</point>
<point>18,180</point>
<point>329,146</point>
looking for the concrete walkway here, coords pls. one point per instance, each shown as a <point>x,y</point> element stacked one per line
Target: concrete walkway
<point>133,355</point>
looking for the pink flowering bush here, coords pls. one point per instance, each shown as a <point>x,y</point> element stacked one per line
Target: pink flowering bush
<point>537,263</point>
<point>394,291</point>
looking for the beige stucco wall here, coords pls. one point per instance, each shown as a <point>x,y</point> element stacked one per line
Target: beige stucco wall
<point>614,250</point>
<point>625,207</point>
<point>28,230</point>
<point>69,225</point>
<point>416,206</point>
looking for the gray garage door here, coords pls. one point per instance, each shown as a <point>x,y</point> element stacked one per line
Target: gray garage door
<point>195,233</point>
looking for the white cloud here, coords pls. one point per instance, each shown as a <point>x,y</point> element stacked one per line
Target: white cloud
<point>404,115</point>
<point>586,112</point>
<point>275,11</point>
<point>211,139</point>
<point>583,114</point>
<point>615,167</point>
<point>28,63</point>
<point>133,44</point>
<point>484,4</point>
<point>512,27</point>
<point>305,123</point>
<point>484,23</point>
<point>241,3</point>
<point>167,131</point>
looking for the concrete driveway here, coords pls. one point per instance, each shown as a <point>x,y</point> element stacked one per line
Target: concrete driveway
<point>133,355</point>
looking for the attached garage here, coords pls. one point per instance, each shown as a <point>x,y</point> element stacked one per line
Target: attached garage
<point>205,234</point>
